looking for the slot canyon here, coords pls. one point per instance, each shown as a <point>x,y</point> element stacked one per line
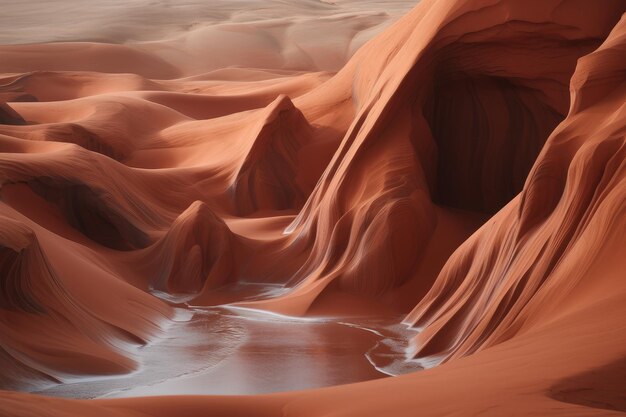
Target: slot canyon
<point>313,208</point>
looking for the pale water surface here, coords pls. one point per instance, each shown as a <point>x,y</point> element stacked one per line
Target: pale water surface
<point>231,351</point>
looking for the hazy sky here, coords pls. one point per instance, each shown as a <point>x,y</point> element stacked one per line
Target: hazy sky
<point>30,21</point>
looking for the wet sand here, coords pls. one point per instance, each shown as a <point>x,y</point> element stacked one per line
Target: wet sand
<point>234,351</point>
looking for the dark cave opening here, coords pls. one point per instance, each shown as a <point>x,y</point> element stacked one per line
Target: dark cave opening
<point>488,131</point>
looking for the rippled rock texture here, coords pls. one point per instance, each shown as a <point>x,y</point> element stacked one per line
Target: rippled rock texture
<point>465,168</point>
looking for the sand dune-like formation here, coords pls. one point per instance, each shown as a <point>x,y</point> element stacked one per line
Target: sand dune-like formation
<point>465,168</point>
<point>267,177</point>
<point>8,116</point>
<point>55,326</point>
<point>163,39</point>
<point>195,253</point>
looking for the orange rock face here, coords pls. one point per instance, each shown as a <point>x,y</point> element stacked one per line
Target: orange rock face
<point>465,168</point>
<point>550,241</point>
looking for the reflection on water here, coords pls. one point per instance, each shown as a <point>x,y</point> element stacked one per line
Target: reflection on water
<point>228,351</point>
